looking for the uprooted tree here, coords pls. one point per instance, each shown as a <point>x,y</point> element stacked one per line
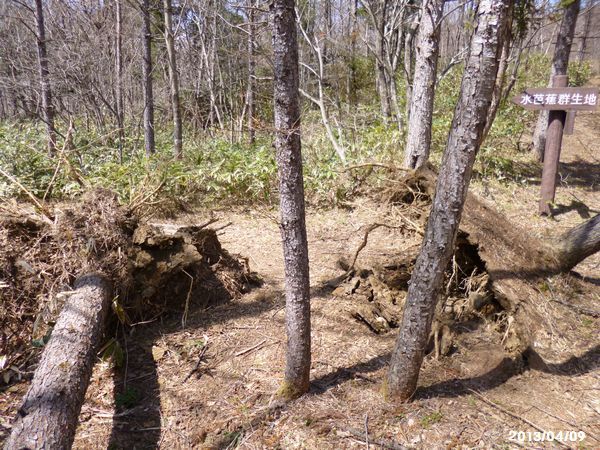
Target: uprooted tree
<point>141,270</point>
<point>452,185</point>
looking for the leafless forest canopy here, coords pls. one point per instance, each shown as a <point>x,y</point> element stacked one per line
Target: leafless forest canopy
<point>348,50</point>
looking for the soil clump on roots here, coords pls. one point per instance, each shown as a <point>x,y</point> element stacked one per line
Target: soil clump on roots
<point>491,284</point>
<point>153,270</point>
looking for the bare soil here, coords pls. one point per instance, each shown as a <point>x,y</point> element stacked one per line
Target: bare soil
<point>211,383</point>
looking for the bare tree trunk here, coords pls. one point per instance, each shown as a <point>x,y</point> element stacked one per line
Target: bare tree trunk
<point>515,70</point>
<point>119,76</point>
<point>382,83</point>
<point>173,79</point>
<point>586,32</point>
<point>47,108</point>
<point>320,100</point>
<point>147,80</point>
<point>455,174</point>
<point>48,416</point>
<point>418,141</point>
<point>560,63</point>
<point>251,70</point>
<point>409,63</point>
<point>506,41</point>
<point>291,191</point>
<point>352,97</point>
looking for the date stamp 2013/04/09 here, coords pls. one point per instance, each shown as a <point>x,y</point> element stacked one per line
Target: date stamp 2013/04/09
<point>546,436</point>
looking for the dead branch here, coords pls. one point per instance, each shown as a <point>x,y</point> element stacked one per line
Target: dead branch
<point>248,350</point>
<point>363,244</point>
<point>511,414</point>
<point>32,197</point>
<point>197,366</point>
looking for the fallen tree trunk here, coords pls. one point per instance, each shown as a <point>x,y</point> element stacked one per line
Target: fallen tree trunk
<point>577,244</point>
<point>48,416</point>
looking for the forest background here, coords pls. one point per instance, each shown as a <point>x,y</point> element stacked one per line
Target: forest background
<point>356,68</point>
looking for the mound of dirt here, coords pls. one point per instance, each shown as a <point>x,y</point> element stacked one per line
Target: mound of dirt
<point>173,267</point>
<point>152,270</point>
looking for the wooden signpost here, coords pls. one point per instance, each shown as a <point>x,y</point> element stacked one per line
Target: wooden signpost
<point>562,103</point>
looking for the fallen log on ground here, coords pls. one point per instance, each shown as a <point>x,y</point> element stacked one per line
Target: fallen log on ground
<point>577,244</point>
<point>48,416</point>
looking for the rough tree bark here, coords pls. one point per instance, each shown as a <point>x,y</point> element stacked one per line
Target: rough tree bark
<point>577,244</point>
<point>251,70</point>
<point>147,80</point>
<point>418,140</point>
<point>455,174</point>
<point>382,82</point>
<point>291,192</point>
<point>408,64</point>
<point>560,64</point>
<point>173,79</point>
<point>48,416</point>
<point>506,41</point>
<point>46,91</point>
<point>119,75</point>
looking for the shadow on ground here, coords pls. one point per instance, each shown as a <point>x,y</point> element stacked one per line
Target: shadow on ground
<point>137,421</point>
<point>505,370</point>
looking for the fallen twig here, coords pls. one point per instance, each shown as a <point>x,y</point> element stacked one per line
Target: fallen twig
<point>568,422</point>
<point>511,414</point>
<point>248,350</point>
<point>367,430</point>
<point>195,369</point>
<point>579,309</point>
<point>208,222</point>
<point>384,443</point>
<point>223,226</point>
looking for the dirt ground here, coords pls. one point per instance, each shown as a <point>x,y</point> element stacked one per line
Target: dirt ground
<point>211,383</point>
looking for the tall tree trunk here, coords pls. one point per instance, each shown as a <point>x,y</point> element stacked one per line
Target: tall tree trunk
<point>119,75</point>
<point>352,97</point>
<point>173,78</point>
<point>327,22</point>
<point>47,108</point>
<point>47,419</point>
<point>451,191</point>
<point>382,82</point>
<point>291,192</point>
<point>560,64</point>
<point>147,80</point>
<point>418,141</point>
<point>409,48</point>
<point>585,32</point>
<point>506,41</point>
<point>251,70</point>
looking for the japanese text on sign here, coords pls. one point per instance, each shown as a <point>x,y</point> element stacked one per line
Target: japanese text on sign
<point>565,99</point>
